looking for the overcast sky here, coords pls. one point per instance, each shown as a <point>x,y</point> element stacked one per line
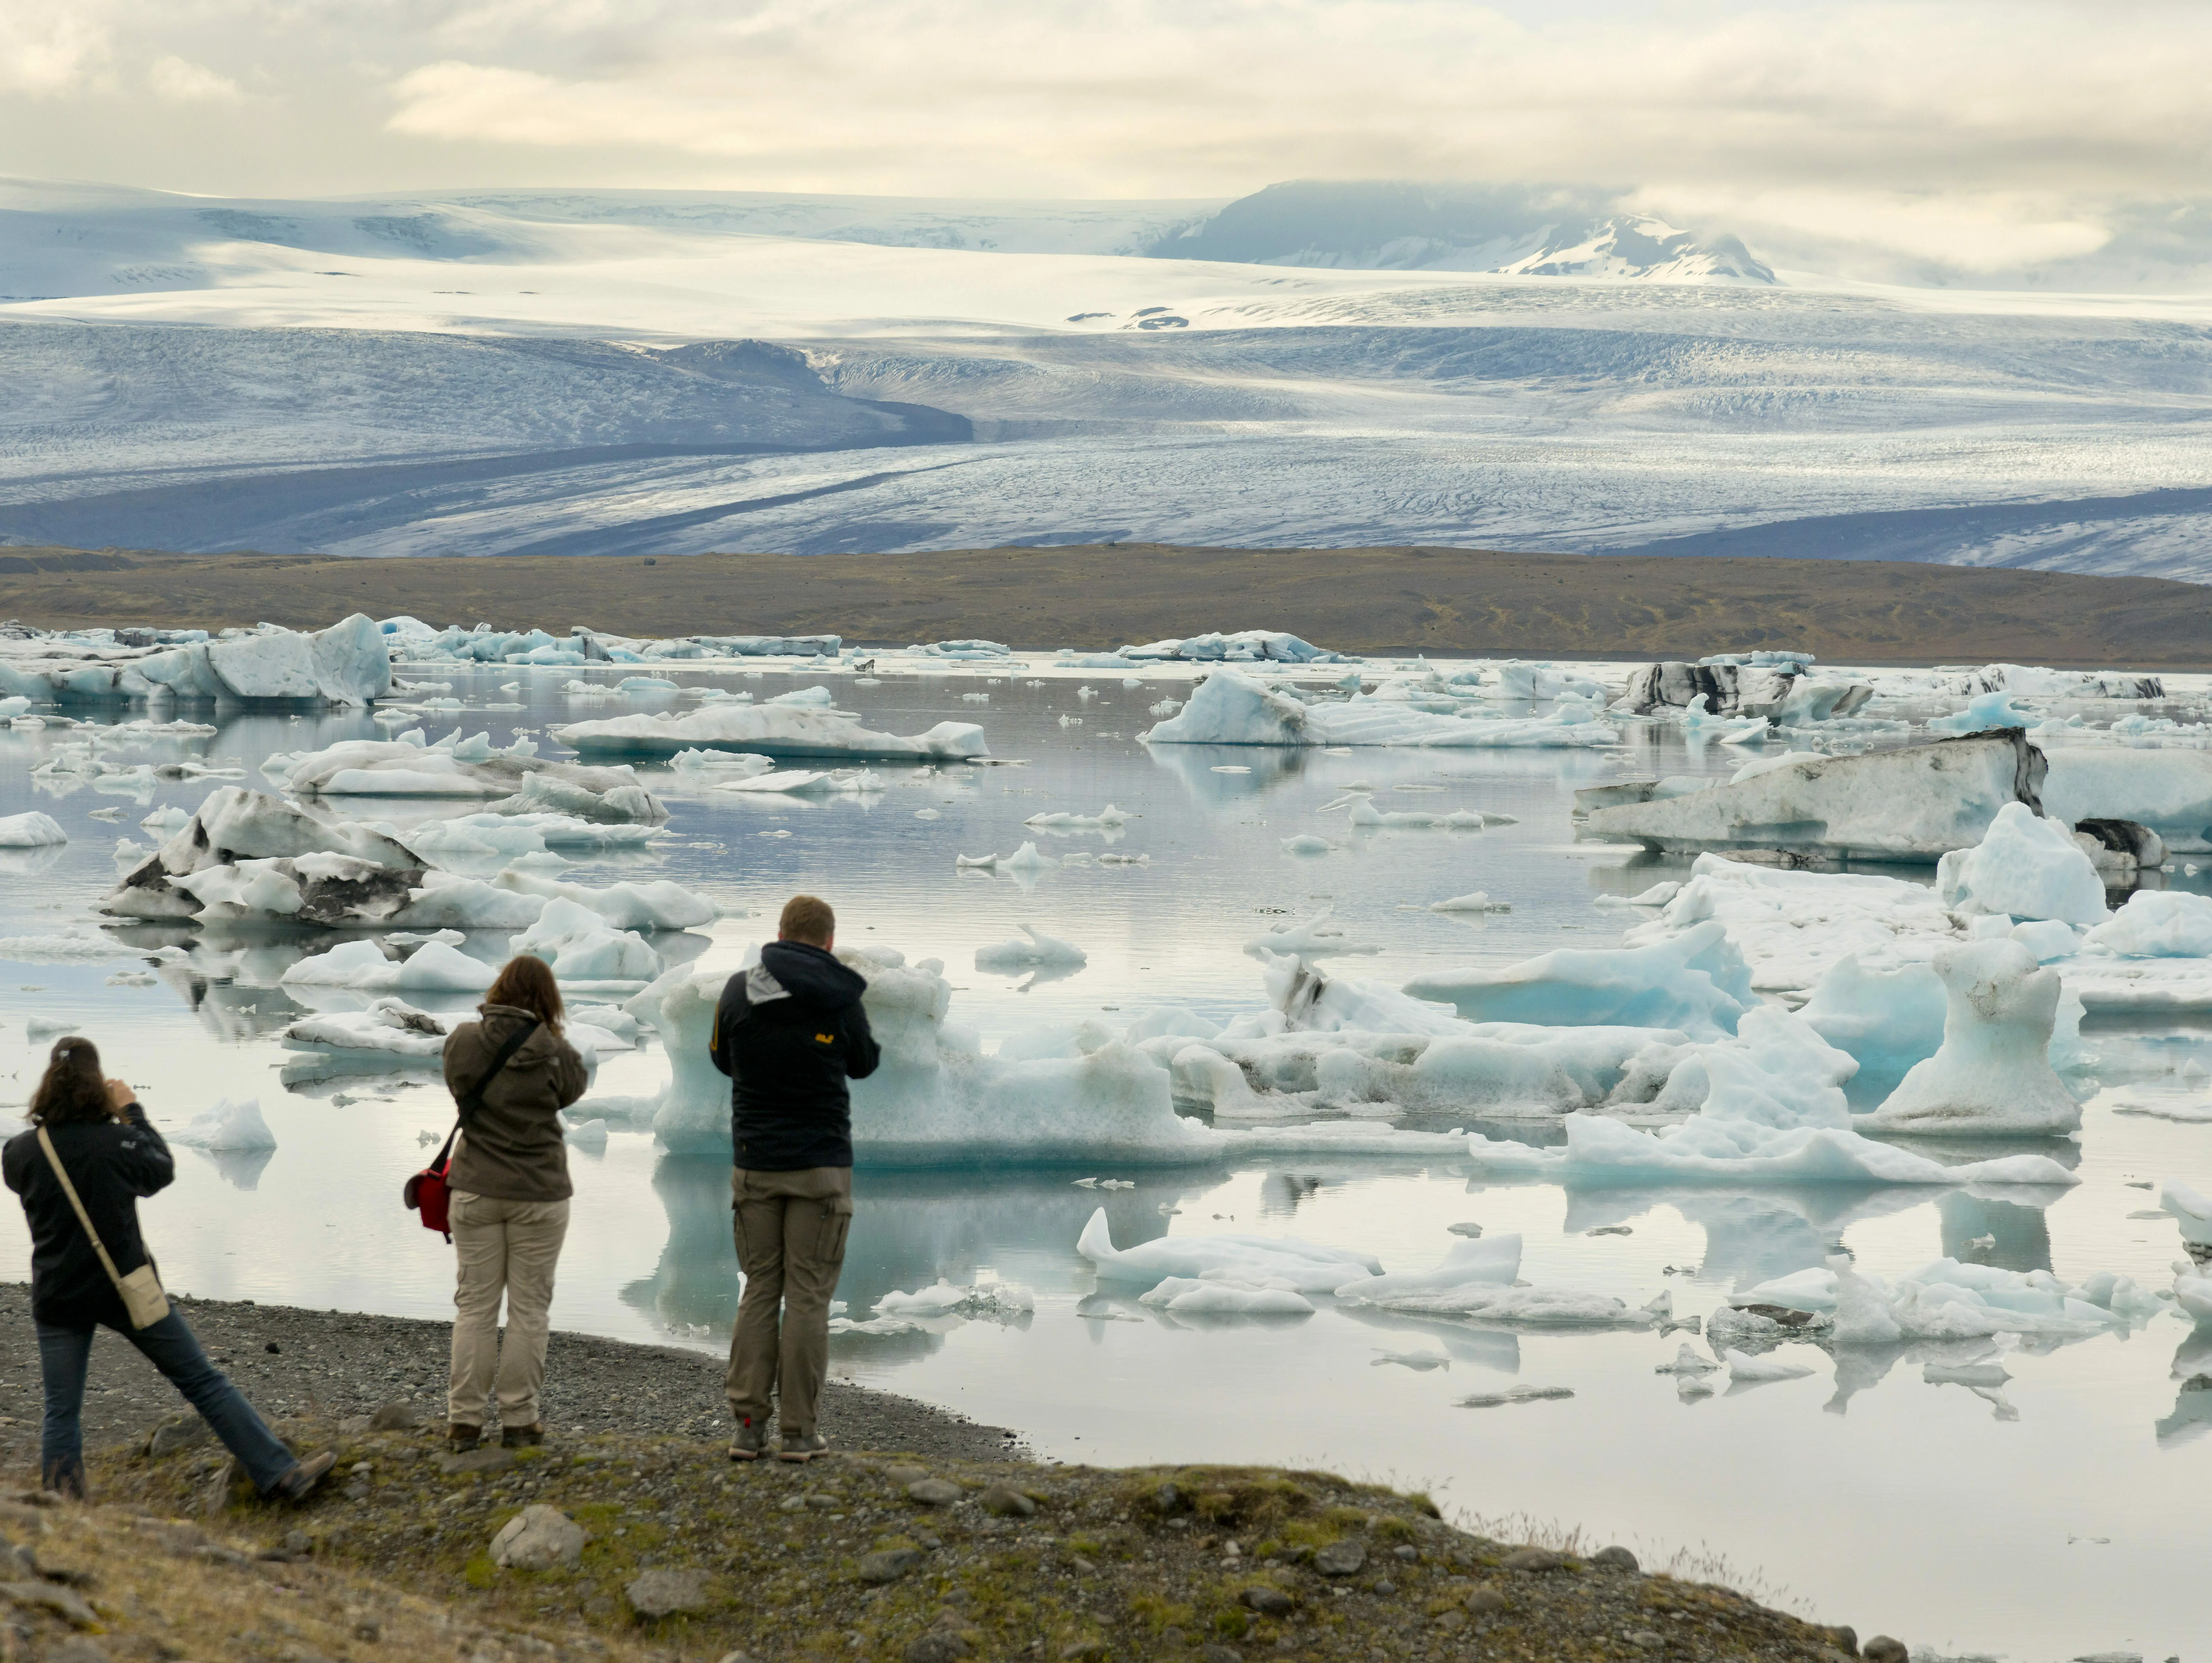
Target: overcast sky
<point>2011,117</point>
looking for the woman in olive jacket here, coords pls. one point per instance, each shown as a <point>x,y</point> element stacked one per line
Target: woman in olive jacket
<point>509,1200</point>
<point>101,1139</point>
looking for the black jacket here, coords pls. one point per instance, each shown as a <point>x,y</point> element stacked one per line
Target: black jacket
<point>789,1033</point>
<point>111,1163</point>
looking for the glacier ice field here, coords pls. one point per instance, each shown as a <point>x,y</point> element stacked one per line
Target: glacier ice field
<point>604,372</point>
<point>2017,1470</point>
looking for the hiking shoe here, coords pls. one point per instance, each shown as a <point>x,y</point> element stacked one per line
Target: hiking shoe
<point>65,1479</point>
<point>300,1482</point>
<point>513,1437</point>
<point>803,1448</point>
<point>461,1439</point>
<point>750,1442</point>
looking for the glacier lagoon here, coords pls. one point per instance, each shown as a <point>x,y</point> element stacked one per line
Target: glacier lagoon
<point>2054,1518</point>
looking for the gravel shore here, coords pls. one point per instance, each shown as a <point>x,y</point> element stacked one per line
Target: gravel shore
<point>333,1365</point>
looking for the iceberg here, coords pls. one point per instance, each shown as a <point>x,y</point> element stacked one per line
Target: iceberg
<point>581,946</point>
<point>768,730</point>
<point>30,831</point>
<point>347,664</point>
<point>1744,1369</point>
<point>1992,1076</point>
<point>228,1125</point>
<point>1282,1261</point>
<point>1245,645</point>
<point>245,853</point>
<point>2189,1209</point>
<point>2027,867</point>
<point>432,967</point>
<point>1037,951</point>
<point>1951,1301</point>
<point>1184,1295</point>
<point>2167,790</point>
<point>389,1033</point>
<point>1695,981</point>
<point>468,768</point>
<point>1914,804</point>
<point>1231,707</point>
<point>2156,924</point>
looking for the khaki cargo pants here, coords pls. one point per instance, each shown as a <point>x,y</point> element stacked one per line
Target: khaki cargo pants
<point>790,1245</point>
<point>508,1247</point>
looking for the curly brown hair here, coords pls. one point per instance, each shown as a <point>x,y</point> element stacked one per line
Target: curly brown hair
<point>75,1087</point>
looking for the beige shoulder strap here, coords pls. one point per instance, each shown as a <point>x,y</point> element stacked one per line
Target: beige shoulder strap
<point>82,1217</point>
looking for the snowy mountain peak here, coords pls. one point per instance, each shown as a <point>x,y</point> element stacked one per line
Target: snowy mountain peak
<point>1514,230</point>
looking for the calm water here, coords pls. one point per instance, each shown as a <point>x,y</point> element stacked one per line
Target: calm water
<point>1873,1499</point>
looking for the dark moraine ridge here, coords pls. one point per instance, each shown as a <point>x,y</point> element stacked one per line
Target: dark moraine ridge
<point>1357,600</point>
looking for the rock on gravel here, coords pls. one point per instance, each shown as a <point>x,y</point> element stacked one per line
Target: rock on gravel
<point>1534,1558</point>
<point>1619,1558</point>
<point>935,1492</point>
<point>889,1564</point>
<point>540,1538</point>
<point>1006,1501</point>
<point>658,1594</point>
<point>1345,1558</point>
<point>1883,1650</point>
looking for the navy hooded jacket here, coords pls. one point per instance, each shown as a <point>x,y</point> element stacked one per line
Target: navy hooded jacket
<point>790,1032</point>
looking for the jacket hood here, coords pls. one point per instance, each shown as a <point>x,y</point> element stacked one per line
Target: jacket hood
<point>807,973</point>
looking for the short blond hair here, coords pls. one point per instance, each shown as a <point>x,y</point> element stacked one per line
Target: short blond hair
<point>807,918</point>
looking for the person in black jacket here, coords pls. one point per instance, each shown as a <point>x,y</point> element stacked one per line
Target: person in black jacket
<point>789,1033</point>
<point>112,1157</point>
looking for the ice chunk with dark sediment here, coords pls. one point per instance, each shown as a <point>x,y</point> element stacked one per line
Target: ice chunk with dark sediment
<point>1914,804</point>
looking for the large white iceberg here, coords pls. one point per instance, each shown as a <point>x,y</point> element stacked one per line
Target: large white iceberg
<point>1231,707</point>
<point>1282,1261</point>
<point>1915,803</point>
<point>30,831</point>
<point>2027,867</point>
<point>347,664</point>
<point>2157,924</point>
<point>2168,790</point>
<point>1695,981</point>
<point>432,967</point>
<point>1773,1111</point>
<point>769,730</point>
<point>469,768</point>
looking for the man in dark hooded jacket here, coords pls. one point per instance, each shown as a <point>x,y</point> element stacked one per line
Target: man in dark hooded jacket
<point>790,1032</point>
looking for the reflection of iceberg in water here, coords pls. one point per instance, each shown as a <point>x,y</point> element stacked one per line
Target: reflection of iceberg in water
<point>2192,1413</point>
<point>241,1169</point>
<point>2020,1237</point>
<point>696,1285</point>
<point>1280,1193</point>
<point>1263,766</point>
<point>1498,1349</point>
<point>1751,1236</point>
<point>909,1230</point>
<point>230,1012</point>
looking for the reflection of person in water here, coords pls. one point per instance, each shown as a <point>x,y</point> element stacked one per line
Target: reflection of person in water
<point>790,1032</point>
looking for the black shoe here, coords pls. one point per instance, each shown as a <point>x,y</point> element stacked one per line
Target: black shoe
<point>65,1478</point>
<point>513,1437</point>
<point>300,1482</point>
<point>461,1439</point>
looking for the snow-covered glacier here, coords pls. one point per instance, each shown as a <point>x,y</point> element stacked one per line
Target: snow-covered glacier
<point>585,372</point>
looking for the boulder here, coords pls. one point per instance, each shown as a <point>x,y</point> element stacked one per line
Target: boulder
<point>658,1594</point>
<point>540,1538</point>
<point>1343,1558</point>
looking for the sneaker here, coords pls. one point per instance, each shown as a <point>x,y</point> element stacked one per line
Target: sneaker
<point>461,1439</point>
<point>803,1448</point>
<point>750,1442</point>
<point>300,1482</point>
<point>513,1437</point>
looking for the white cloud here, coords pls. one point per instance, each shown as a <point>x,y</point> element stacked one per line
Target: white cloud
<point>1166,96</point>
<point>48,49</point>
<point>181,82</point>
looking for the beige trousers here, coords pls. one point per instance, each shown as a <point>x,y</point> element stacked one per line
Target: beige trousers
<point>790,1245</point>
<point>507,1247</point>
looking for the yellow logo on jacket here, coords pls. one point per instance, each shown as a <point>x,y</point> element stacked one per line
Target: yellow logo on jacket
<point>824,1039</point>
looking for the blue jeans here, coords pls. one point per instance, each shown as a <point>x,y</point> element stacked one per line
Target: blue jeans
<point>65,1354</point>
